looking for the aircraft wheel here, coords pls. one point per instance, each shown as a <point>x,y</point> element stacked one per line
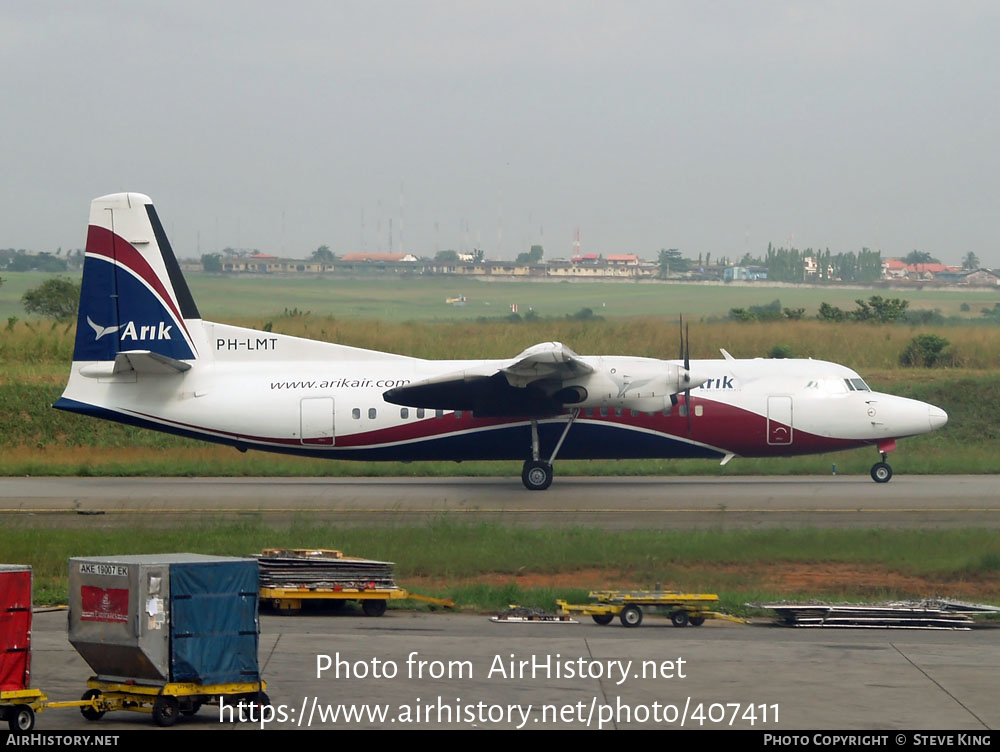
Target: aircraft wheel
<point>881,472</point>
<point>631,616</point>
<point>603,619</point>
<point>21,719</point>
<point>679,618</point>
<point>536,475</point>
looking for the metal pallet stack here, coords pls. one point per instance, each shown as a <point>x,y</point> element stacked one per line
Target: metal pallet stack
<point>290,577</point>
<point>322,568</point>
<point>927,614</point>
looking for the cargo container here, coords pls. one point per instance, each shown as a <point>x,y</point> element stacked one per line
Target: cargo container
<point>15,627</point>
<point>18,702</point>
<point>165,618</point>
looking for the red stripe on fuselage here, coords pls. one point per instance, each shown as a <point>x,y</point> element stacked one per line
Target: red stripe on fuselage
<point>722,427</point>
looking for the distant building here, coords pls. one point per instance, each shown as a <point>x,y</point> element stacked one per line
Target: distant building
<point>981,278</point>
<point>744,273</point>
<point>379,258</point>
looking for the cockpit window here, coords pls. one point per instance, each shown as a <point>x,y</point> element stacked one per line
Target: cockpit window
<point>857,385</point>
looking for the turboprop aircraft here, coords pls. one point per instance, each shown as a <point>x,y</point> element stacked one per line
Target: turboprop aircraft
<point>144,356</point>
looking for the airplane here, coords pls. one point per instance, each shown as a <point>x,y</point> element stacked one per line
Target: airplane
<point>144,356</point>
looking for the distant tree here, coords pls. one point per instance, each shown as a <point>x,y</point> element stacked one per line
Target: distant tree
<point>211,262</point>
<point>880,310</point>
<point>534,256</point>
<point>671,261</point>
<point>741,314</point>
<point>478,256</point>
<point>795,314</point>
<point>43,262</point>
<point>920,257</point>
<point>970,262</point>
<point>584,314</point>
<point>57,298</point>
<point>925,350</point>
<point>446,257</point>
<point>828,312</point>
<point>323,255</point>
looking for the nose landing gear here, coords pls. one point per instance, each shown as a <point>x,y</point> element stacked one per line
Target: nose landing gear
<point>881,472</point>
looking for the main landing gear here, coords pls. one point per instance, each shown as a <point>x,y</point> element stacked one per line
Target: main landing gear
<point>537,473</point>
<point>881,472</point>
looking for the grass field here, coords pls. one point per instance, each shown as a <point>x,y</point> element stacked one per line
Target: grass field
<point>223,298</point>
<point>487,566</point>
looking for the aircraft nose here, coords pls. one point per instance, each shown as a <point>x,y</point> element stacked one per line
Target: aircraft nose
<point>936,416</point>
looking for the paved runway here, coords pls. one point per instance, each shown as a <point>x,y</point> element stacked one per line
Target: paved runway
<point>612,503</point>
<point>805,679</point>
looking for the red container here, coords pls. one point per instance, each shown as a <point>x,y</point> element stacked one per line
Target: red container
<point>15,627</point>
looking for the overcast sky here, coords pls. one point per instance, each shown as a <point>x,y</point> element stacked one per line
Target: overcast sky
<point>705,126</point>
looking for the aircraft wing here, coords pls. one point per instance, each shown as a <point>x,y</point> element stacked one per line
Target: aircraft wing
<point>524,385</point>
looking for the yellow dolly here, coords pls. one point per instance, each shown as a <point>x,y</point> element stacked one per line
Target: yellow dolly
<point>629,606</point>
<point>19,706</point>
<point>373,600</point>
<point>166,702</point>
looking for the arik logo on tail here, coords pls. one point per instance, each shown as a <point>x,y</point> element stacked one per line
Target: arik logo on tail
<point>133,332</point>
<point>146,332</point>
<point>100,331</point>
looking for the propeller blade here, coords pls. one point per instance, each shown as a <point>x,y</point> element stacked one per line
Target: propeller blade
<point>687,374</point>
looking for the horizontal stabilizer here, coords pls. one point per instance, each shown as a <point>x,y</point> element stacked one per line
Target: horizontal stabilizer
<point>136,361</point>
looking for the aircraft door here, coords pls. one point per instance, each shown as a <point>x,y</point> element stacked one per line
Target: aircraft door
<point>316,421</point>
<point>779,421</point>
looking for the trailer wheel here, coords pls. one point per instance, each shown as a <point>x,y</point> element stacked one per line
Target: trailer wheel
<point>603,619</point>
<point>87,711</point>
<point>165,710</point>
<point>373,607</point>
<point>679,618</point>
<point>631,616</point>
<point>21,719</point>
<point>697,621</point>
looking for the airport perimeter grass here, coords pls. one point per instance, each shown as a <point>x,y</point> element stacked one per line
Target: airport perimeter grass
<point>422,298</point>
<point>483,566</point>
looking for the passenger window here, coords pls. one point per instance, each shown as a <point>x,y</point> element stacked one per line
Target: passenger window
<point>698,410</point>
<point>439,413</point>
<point>404,413</point>
<point>420,412</point>
<point>356,413</point>
<point>618,412</point>
<point>372,412</point>
<point>458,413</point>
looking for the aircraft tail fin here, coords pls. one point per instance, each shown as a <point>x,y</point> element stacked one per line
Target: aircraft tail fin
<point>133,296</point>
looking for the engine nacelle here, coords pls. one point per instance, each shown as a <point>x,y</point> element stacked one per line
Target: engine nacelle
<point>641,384</point>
